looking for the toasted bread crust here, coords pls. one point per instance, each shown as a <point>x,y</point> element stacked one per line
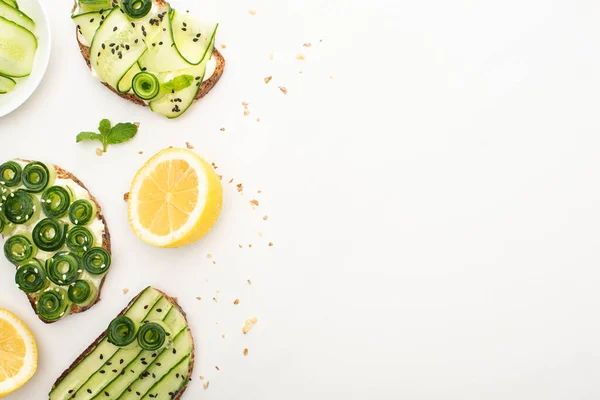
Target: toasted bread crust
<point>204,88</point>
<point>75,309</point>
<point>172,300</point>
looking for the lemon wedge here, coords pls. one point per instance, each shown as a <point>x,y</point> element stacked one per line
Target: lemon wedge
<point>175,199</point>
<point>18,353</point>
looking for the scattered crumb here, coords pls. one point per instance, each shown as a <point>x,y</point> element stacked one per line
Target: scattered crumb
<point>217,367</point>
<point>300,56</point>
<point>215,300</point>
<point>240,246</point>
<point>99,152</point>
<point>222,335</point>
<point>254,203</point>
<point>214,165</point>
<point>141,152</point>
<point>223,46</point>
<point>246,113</point>
<point>270,244</point>
<point>250,245</point>
<point>266,217</point>
<point>220,177</point>
<point>209,255</point>
<point>252,12</point>
<point>188,145</point>
<point>307,45</point>
<point>271,56</point>
<point>321,41</point>
<point>222,129</point>
<point>198,298</point>
<point>206,385</point>
<point>126,290</point>
<point>259,234</point>
<point>214,262</point>
<point>283,89</point>
<point>268,79</point>
<point>245,352</point>
<point>126,196</point>
<point>231,180</point>
<point>250,322</point>
<point>240,187</point>
<point>300,72</point>
<point>260,191</point>
<point>236,301</point>
<point>245,105</point>
<point>201,377</point>
<point>257,119</point>
<point>249,282</point>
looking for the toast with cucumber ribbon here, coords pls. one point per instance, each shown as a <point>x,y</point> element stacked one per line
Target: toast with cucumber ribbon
<point>149,53</point>
<point>147,352</point>
<point>56,236</point>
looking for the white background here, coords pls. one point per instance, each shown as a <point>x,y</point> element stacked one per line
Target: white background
<point>434,208</point>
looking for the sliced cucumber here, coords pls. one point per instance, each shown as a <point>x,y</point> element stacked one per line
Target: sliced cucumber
<point>17,49</point>
<point>151,25</point>
<point>95,5</point>
<point>102,353</point>
<point>172,383</point>
<point>12,3</point>
<point>193,39</point>
<point>162,56</point>
<point>174,104</point>
<point>126,82</point>
<point>88,24</point>
<point>7,84</point>
<point>13,14</point>
<point>115,48</point>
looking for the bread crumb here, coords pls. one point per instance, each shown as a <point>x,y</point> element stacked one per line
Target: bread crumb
<point>270,244</point>
<point>240,246</point>
<point>250,245</point>
<point>249,282</point>
<point>188,145</point>
<point>126,196</point>
<point>307,44</point>
<point>271,56</point>
<point>214,262</point>
<point>206,385</point>
<point>240,187</point>
<point>209,255</point>
<point>268,79</point>
<point>300,56</point>
<point>214,165</point>
<point>252,12</point>
<point>283,89</point>
<point>245,104</point>
<point>201,377</point>
<point>300,72</point>
<point>222,129</point>
<point>257,119</point>
<point>198,298</point>
<point>250,322</point>
<point>126,290</point>
<point>222,336</point>
<point>223,46</point>
<point>321,41</point>
<point>246,113</point>
<point>220,177</point>
<point>266,217</point>
<point>245,352</point>
<point>254,203</point>
<point>231,180</point>
<point>99,152</point>
<point>236,301</point>
<point>259,192</point>
<point>141,152</point>
<point>215,300</point>
<point>217,367</point>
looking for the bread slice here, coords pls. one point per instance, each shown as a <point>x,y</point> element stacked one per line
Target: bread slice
<point>87,351</point>
<point>75,309</point>
<point>204,88</point>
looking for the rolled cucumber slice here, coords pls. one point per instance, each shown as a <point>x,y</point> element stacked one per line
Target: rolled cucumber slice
<point>116,48</point>
<point>193,39</point>
<point>7,84</point>
<point>88,23</point>
<point>17,49</point>
<point>126,82</point>
<point>13,14</point>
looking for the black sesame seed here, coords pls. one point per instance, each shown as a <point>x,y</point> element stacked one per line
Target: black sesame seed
<point>89,391</point>
<point>160,44</point>
<point>177,375</point>
<point>174,351</point>
<point>138,393</point>
<point>106,394</point>
<point>184,29</point>
<point>133,24</point>
<point>184,24</point>
<point>91,20</point>
<point>102,371</point>
<point>112,51</point>
<point>153,355</point>
<point>153,376</point>
<point>103,46</point>
<point>101,356</point>
<point>121,361</point>
<point>136,40</point>
<point>115,371</point>
<point>129,389</point>
<point>98,54</point>
<point>144,362</point>
<point>153,44</point>
<point>195,39</point>
<point>144,33</point>
<point>108,363</point>
<point>159,309</point>
<point>111,45</point>
<point>197,78</point>
<point>115,29</point>
<point>70,391</point>
<point>144,69</point>
<point>126,47</point>
<point>158,364</point>
<point>198,35</point>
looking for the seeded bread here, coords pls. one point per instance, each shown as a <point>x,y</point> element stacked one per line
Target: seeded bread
<point>75,309</point>
<point>204,88</point>
<point>172,300</point>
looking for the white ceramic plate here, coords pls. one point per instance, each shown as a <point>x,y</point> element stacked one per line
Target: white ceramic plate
<point>26,86</point>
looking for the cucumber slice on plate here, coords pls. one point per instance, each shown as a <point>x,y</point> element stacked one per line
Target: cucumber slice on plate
<point>193,39</point>
<point>88,23</point>
<point>17,49</point>
<point>16,16</point>
<point>126,82</point>
<point>116,48</point>
<point>12,3</point>
<point>7,84</point>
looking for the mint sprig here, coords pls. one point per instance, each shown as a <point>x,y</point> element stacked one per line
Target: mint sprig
<point>178,83</point>
<point>108,135</point>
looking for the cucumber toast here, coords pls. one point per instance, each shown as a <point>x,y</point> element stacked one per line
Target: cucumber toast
<point>147,352</point>
<point>18,45</point>
<point>56,236</point>
<point>149,53</point>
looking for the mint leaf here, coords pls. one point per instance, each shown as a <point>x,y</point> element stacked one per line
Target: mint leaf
<point>104,127</point>
<point>179,83</point>
<point>118,134</point>
<point>121,133</point>
<point>88,136</point>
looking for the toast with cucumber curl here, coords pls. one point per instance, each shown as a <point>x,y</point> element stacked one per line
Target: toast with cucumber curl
<point>149,53</point>
<point>147,352</point>
<point>56,236</point>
